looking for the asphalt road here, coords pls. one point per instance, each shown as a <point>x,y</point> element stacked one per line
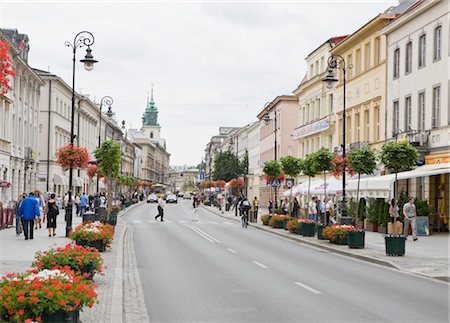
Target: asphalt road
<point>214,270</point>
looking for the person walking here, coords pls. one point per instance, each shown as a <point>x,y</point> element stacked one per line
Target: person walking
<point>320,210</point>
<point>312,209</point>
<point>41,203</point>
<point>410,214</point>
<point>77,204</point>
<point>285,206</point>
<point>52,210</point>
<point>295,208</point>
<point>160,209</point>
<point>255,209</point>
<point>29,210</point>
<point>328,210</point>
<point>19,221</point>
<point>393,215</point>
<point>83,203</point>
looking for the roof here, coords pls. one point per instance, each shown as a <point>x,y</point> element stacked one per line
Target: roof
<point>274,102</point>
<point>333,41</point>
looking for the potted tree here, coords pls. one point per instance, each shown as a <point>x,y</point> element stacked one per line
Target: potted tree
<point>397,157</point>
<point>292,167</point>
<point>272,171</point>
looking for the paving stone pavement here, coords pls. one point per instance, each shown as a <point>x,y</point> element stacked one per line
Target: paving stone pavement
<point>133,301</point>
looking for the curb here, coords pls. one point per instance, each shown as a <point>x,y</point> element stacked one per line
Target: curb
<point>341,252</point>
<point>117,293</point>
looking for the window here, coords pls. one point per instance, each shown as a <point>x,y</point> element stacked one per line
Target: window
<point>396,117</point>
<point>318,109</point>
<point>421,112</point>
<point>367,127</point>
<point>396,63</point>
<point>437,43</point>
<point>408,58</point>
<point>436,106</point>
<point>357,127</point>
<point>408,113</point>
<point>304,115</point>
<point>311,71</point>
<point>367,57</point>
<point>330,102</point>
<point>358,61</point>
<point>322,64</point>
<point>377,123</point>
<point>349,63</point>
<point>422,49</point>
<point>377,50</point>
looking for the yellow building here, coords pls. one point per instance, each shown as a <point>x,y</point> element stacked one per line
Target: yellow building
<point>365,56</point>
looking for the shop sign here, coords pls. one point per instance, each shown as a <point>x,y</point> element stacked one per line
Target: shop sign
<point>4,184</point>
<point>312,128</point>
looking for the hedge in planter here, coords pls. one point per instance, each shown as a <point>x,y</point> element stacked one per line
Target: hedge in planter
<point>337,233</point>
<point>35,295</point>
<point>277,221</point>
<point>84,261</point>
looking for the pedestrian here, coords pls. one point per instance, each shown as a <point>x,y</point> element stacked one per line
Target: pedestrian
<point>29,210</point>
<point>312,209</point>
<point>270,206</point>
<point>52,210</point>
<point>255,209</point>
<point>77,204</point>
<point>41,203</point>
<point>83,203</point>
<point>328,210</point>
<point>393,215</point>
<point>195,204</point>
<point>19,221</point>
<point>160,209</point>
<point>285,206</point>
<point>59,201</point>
<point>320,210</point>
<point>295,208</point>
<point>410,214</point>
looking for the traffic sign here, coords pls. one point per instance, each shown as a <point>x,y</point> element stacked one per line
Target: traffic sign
<point>276,183</point>
<point>289,182</point>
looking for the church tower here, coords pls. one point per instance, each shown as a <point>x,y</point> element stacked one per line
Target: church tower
<point>150,126</point>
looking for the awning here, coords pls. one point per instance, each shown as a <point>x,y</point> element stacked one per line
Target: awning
<point>77,182</point>
<point>296,189</point>
<point>60,179</point>
<point>383,186</point>
<point>101,184</point>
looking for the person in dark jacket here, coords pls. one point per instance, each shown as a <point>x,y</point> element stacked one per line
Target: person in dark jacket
<point>29,210</point>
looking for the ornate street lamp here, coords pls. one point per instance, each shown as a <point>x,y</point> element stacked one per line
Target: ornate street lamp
<point>83,38</point>
<point>107,101</point>
<point>267,119</point>
<point>338,62</point>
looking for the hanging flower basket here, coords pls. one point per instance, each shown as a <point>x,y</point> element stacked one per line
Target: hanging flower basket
<point>72,157</point>
<point>6,70</point>
<point>341,164</point>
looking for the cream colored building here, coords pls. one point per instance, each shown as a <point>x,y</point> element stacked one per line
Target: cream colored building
<point>254,164</point>
<point>365,54</point>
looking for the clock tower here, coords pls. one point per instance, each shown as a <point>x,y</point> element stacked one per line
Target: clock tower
<point>150,126</point>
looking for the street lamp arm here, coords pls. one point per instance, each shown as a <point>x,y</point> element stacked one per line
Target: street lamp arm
<point>106,100</point>
<point>337,61</point>
<point>83,38</point>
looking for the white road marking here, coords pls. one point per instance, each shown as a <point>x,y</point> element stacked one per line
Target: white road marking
<point>231,250</point>
<point>137,221</point>
<point>312,290</point>
<point>228,223</point>
<point>182,221</point>
<point>200,234</point>
<point>209,236</point>
<point>212,222</point>
<point>259,264</point>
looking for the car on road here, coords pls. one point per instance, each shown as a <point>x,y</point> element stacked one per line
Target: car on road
<point>171,198</point>
<point>187,195</point>
<point>152,198</point>
<point>180,194</point>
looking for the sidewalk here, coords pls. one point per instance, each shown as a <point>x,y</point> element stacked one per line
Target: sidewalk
<point>428,256</point>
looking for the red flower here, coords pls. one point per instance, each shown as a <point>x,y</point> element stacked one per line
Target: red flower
<point>34,300</point>
<point>71,156</point>
<point>21,299</point>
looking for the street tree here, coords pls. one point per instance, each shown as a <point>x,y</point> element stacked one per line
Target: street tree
<point>309,170</point>
<point>109,158</point>
<point>323,164</point>
<point>272,171</point>
<point>226,166</point>
<point>292,167</point>
<point>362,161</point>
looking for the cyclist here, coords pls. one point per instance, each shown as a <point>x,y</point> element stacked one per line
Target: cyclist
<point>245,208</point>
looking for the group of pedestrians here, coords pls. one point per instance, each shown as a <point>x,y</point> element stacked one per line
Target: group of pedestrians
<point>409,216</point>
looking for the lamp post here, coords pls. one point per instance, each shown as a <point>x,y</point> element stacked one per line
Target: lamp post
<point>267,119</point>
<point>107,101</point>
<point>338,62</point>
<point>83,38</point>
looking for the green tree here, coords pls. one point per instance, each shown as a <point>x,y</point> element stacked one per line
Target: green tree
<point>362,161</point>
<point>292,167</point>
<point>272,169</point>
<point>309,170</point>
<point>226,166</point>
<point>323,163</point>
<point>398,157</point>
<point>109,158</point>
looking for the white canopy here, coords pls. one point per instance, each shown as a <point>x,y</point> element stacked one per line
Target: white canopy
<point>59,179</point>
<point>382,186</point>
<point>296,189</point>
<point>332,186</point>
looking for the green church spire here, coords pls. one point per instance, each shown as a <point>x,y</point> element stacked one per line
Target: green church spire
<point>150,116</point>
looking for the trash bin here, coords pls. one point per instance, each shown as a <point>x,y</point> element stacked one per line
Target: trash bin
<point>88,217</point>
<point>101,213</point>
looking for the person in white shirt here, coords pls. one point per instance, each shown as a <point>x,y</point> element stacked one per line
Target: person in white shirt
<point>160,209</point>
<point>312,209</point>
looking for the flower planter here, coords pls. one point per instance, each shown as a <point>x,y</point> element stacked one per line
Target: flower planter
<point>97,244</point>
<point>340,241</point>
<point>320,227</point>
<point>89,270</point>
<point>267,221</point>
<point>395,245</point>
<point>356,239</point>
<point>308,229</point>
<point>61,316</point>
<point>373,227</point>
<point>286,220</point>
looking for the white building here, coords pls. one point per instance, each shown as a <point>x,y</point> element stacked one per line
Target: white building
<point>254,164</point>
<point>418,106</point>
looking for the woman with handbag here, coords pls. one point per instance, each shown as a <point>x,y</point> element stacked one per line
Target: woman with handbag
<point>52,211</point>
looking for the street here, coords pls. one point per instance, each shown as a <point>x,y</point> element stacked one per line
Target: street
<point>214,270</point>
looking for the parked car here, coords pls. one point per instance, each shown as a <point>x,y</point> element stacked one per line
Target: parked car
<point>180,194</point>
<point>171,198</point>
<point>187,195</point>
<point>152,198</point>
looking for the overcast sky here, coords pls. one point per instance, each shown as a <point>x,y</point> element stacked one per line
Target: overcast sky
<point>212,63</point>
